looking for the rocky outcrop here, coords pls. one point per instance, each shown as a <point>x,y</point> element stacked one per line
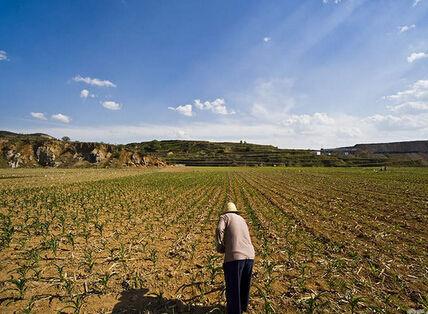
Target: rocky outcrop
<point>408,147</point>
<point>45,156</point>
<point>151,160</point>
<point>14,159</point>
<point>395,147</point>
<point>44,151</point>
<point>98,155</point>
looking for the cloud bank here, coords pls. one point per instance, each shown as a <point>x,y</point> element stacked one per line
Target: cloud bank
<point>316,130</point>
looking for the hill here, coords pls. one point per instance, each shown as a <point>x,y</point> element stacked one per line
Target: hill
<point>395,153</point>
<point>42,150</point>
<point>33,150</point>
<point>204,153</point>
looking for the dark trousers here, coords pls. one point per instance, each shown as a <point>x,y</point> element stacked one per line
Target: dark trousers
<point>237,275</point>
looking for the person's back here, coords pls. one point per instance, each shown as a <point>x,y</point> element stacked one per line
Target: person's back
<point>233,239</point>
<point>236,240</point>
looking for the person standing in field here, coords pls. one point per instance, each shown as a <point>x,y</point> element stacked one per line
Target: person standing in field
<point>233,239</point>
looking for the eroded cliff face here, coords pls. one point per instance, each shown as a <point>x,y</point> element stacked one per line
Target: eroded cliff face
<point>16,152</point>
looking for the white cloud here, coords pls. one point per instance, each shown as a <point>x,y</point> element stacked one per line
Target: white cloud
<point>416,2</point>
<point>181,134</point>
<point>402,122</point>
<point>416,56</point>
<point>84,93</point>
<point>61,118</point>
<point>38,115</point>
<point>414,99</point>
<point>318,118</point>
<point>217,106</point>
<point>416,91</point>
<point>267,39</point>
<point>331,1</point>
<point>94,81</point>
<point>111,105</point>
<point>3,55</point>
<point>405,28</point>
<point>322,124</point>
<point>185,110</point>
<point>325,130</point>
<point>411,106</point>
<point>271,99</point>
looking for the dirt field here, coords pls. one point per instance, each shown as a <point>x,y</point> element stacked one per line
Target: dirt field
<point>102,241</point>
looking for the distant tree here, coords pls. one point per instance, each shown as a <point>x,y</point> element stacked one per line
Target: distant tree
<point>186,147</point>
<point>65,139</point>
<point>154,146</point>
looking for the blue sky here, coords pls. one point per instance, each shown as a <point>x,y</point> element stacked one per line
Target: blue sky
<point>296,74</point>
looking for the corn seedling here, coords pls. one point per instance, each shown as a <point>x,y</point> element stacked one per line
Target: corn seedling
<point>76,303</point>
<point>313,302</point>
<point>137,281</point>
<point>268,307</point>
<point>68,285</point>
<point>70,239</point>
<point>61,274</point>
<point>19,285</point>
<point>100,228</point>
<point>122,253</point>
<point>104,280</point>
<point>52,244</point>
<point>89,261</point>
<point>29,307</point>
<point>7,231</point>
<point>153,257</point>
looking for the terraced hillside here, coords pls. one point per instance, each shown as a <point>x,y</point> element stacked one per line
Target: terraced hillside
<point>204,153</point>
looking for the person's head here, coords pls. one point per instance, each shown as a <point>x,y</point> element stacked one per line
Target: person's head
<point>231,207</point>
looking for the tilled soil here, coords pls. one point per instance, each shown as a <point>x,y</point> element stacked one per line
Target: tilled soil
<point>102,241</point>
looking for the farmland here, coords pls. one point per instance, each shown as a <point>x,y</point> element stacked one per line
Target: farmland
<point>123,240</point>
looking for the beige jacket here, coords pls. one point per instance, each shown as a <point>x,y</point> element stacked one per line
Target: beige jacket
<point>233,238</point>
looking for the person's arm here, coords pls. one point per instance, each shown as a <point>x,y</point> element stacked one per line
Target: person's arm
<point>219,235</point>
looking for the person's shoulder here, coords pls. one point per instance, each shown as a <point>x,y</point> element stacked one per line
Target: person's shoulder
<point>239,219</point>
<point>233,216</point>
<point>229,216</point>
<point>224,216</point>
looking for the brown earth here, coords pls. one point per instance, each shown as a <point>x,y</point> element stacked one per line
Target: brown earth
<point>126,240</point>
